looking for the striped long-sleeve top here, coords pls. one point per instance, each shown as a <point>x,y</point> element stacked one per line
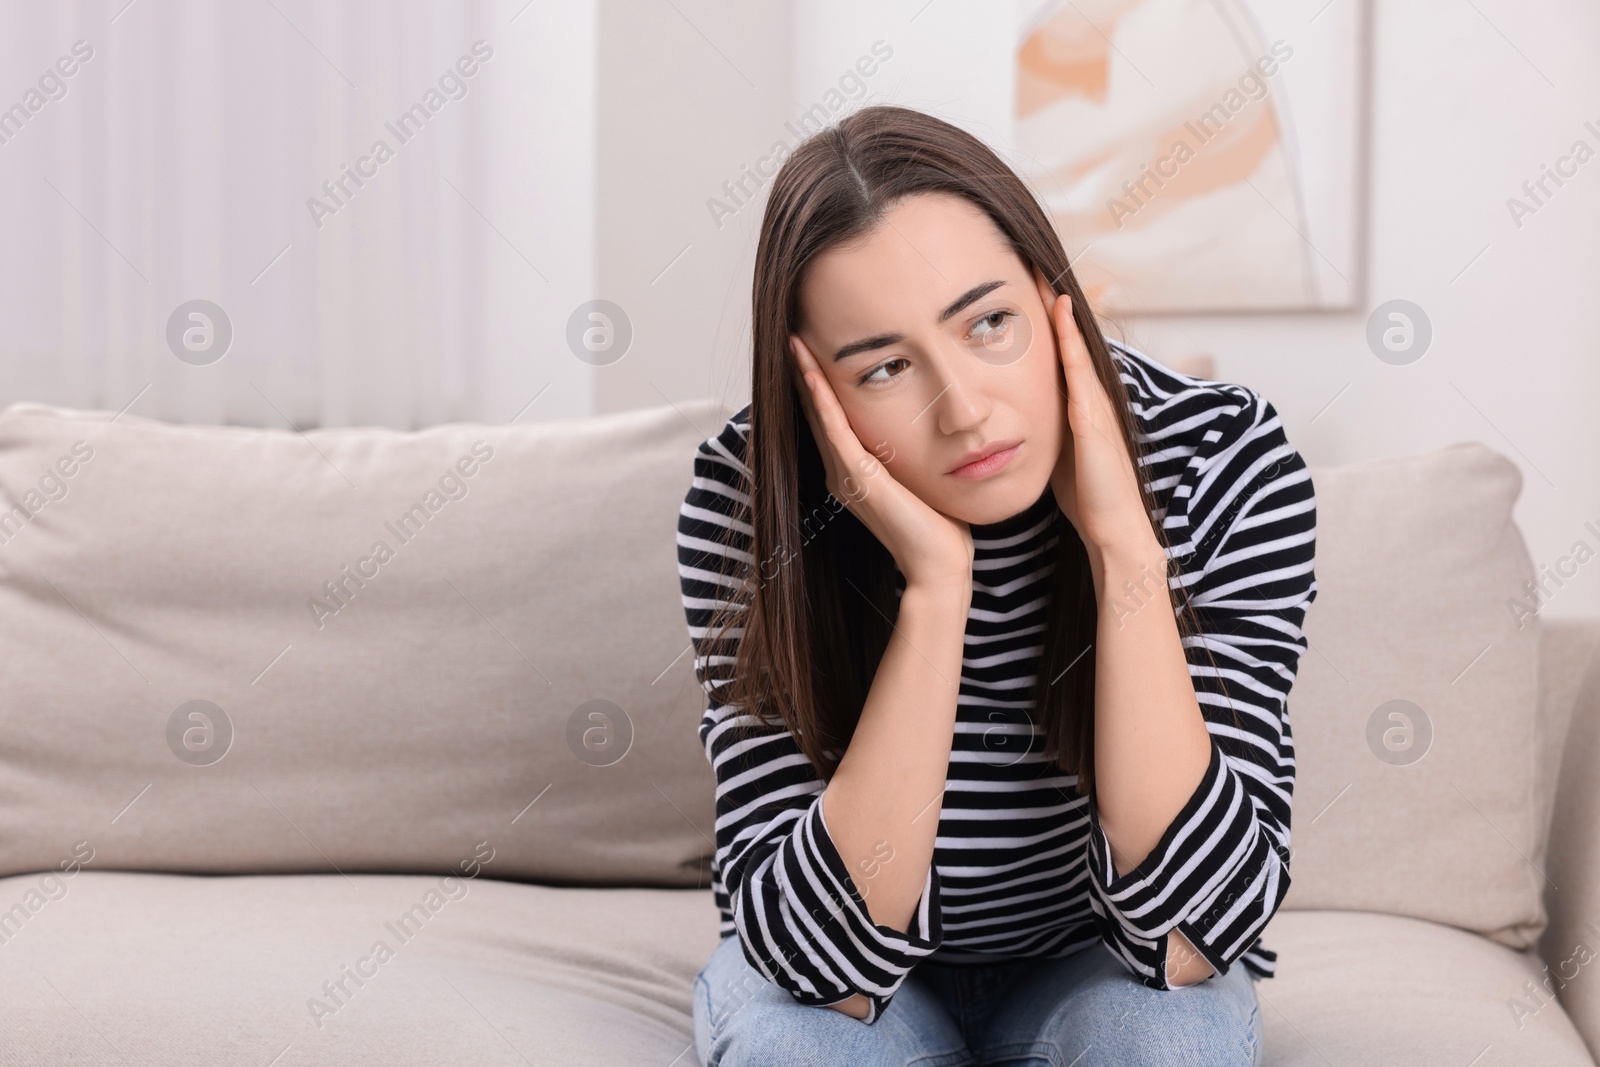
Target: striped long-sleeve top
<point>1021,866</point>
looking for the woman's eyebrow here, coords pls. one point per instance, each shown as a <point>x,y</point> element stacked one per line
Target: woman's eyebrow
<point>975,293</point>
<point>884,340</point>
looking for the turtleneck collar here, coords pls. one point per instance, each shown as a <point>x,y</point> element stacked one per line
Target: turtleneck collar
<point>1021,522</point>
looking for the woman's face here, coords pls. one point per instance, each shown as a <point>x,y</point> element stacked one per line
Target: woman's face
<point>934,336</point>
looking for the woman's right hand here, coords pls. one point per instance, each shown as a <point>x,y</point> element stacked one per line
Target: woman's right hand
<point>928,546</point>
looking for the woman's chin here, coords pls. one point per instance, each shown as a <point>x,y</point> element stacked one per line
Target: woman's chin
<point>993,499</point>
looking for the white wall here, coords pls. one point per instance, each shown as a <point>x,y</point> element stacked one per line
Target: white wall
<point>691,93</point>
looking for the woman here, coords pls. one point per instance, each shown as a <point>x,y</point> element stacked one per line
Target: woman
<point>975,803</point>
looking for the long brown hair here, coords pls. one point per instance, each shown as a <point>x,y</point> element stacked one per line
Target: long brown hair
<point>817,604</point>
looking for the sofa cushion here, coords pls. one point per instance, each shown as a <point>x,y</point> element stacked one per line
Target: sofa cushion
<point>113,966</point>
<point>1434,813</point>
<point>120,967</point>
<point>513,665</point>
<point>1569,673</point>
<point>1357,988</point>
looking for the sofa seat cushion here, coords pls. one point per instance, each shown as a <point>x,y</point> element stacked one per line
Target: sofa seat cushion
<point>124,967</point>
<point>184,969</point>
<point>1366,988</point>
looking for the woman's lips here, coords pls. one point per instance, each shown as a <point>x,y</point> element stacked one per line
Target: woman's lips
<point>987,466</point>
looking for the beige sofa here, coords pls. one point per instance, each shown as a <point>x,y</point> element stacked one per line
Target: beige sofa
<point>365,747</point>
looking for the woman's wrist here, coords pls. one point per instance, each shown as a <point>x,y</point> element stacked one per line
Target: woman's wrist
<point>954,589</point>
<point>1131,558</point>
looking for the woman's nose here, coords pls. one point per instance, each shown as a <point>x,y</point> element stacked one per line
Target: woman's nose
<point>959,404</point>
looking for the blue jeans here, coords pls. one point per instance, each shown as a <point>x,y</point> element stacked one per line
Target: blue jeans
<point>1080,1011</point>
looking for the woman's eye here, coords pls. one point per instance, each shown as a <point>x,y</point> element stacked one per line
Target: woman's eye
<point>999,322</point>
<point>872,376</point>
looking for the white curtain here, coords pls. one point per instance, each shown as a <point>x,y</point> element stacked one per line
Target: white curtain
<point>179,161</point>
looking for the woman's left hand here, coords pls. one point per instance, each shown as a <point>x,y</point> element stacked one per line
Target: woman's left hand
<point>1094,481</point>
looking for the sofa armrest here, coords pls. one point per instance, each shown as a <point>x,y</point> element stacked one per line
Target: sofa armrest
<point>1569,690</point>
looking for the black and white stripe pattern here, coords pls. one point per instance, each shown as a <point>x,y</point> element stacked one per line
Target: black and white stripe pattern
<point>1021,867</point>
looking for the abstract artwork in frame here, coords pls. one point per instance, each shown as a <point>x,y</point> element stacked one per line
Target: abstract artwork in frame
<point>1197,155</point>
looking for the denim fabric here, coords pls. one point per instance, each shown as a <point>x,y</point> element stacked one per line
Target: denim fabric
<point>1081,1011</point>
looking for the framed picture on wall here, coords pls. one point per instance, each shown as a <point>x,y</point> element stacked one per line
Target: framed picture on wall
<point>1198,156</point>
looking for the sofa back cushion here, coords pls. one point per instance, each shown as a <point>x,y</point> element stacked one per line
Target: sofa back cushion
<point>1423,782</point>
<point>512,665</point>
<point>244,650</point>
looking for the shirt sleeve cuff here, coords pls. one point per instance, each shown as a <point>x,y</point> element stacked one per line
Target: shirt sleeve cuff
<point>856,935</point>
<point>1213,875</point>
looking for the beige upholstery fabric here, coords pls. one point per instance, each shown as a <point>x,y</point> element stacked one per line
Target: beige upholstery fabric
<point>442,713</point>
<point>177,563</point>
<point>1416,559</point>
<point>180,969</point>
<point>1358,989</point>
<point>1570,667</point>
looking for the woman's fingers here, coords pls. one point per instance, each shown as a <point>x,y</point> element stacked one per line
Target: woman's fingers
<point>1085,393</point>
<point>1075,362</point>
<point>919,538</point>
<point>1074,353</point>
<point>803,386</point>
<point>811,384</point>
<point>850,461</point>
<point>811,373</point>
<point>828,410</point>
